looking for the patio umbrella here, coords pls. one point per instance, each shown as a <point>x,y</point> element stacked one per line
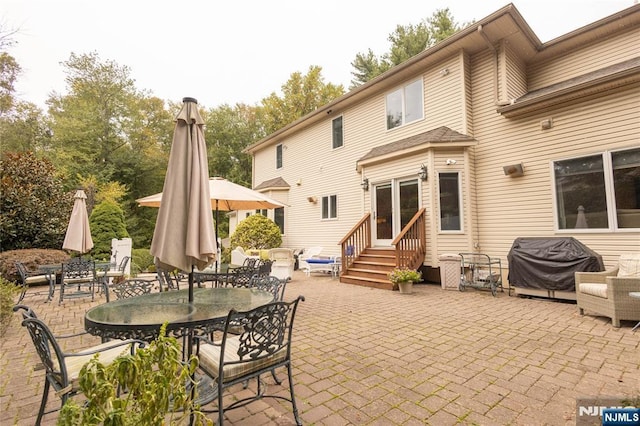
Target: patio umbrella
<point>183,237</point>
<point>224,196</point>
<point>78,236</point>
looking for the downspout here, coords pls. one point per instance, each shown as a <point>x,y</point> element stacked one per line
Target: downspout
<point>496,74</point>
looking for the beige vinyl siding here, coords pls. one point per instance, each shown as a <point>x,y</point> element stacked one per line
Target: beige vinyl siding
<point>444,95</point>
<point>508,208</point>
<point>590,58</point>
<point>515,70</point>
<point>467,116</point>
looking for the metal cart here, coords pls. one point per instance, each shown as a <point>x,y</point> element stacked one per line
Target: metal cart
<point>480,271</point>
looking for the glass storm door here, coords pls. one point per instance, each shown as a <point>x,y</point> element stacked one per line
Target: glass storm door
<point>395,203</point>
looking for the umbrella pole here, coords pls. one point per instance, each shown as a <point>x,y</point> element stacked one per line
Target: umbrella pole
<point>190,347</point>
<point>217,270</point>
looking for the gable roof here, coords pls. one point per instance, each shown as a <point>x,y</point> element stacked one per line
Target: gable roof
<point>275,183</point>
<point>416,143</point>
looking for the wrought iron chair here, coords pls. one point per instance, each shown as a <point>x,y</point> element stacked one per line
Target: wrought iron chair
<point>166,280</point>
<point>119,271</point>
<point>239,277</point>
<point>80,275</point>
<point>264,267</point>
<point>28,278</point>
<point>62,369</point>
<point>130,288</point>
<point>272,284</point>
<point>264,345</point>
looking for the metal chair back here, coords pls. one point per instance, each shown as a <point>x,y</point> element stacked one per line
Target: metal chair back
<point>131,288</point>
<point>78,278</point>
<point>273,285</point>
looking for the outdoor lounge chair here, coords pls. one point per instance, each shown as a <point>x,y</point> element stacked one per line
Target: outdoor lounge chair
<point>307,253</point>
<point>606,293</point>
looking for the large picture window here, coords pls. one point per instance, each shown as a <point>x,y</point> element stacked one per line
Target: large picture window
<point>329,207</point>
<point>336,132</point>
<point>450,211</point>
<point>600,191</point>
<point>405,105</point>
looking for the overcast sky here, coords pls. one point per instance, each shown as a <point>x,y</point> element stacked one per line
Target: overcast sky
<point>228,52</point>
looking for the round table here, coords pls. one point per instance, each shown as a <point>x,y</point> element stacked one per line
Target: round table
<point>141,317</point>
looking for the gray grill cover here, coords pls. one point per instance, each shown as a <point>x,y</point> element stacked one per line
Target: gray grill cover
<point>550,263</point>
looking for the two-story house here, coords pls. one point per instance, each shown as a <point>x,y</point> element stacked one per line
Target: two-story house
<point>488,136</point>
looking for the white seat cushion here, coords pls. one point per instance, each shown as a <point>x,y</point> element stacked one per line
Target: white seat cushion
<point>75,363</point>
<point>594,289</point>
<point>209,356</point>
<point>37,279</point>
<point>629,265</point>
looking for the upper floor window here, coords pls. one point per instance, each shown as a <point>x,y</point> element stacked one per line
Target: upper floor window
<point>336,132</point>
<point>279,156</point>
<point>600,191</point>
<point>450,210</point>
<point>263,212</point>
<point>330,207</point>
<point>405,104</point>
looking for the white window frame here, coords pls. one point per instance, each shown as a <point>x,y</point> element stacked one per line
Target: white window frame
<point>403,93</point>
<point>609,189</point>
<point>333,135</point>
<point>460,204</point>
<point>327,200</point>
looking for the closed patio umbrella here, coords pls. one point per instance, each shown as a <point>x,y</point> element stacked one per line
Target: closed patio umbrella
<point>78,236</point>
<point>183,237</point>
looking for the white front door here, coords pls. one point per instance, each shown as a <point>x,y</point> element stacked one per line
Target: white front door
<point>394,204</point>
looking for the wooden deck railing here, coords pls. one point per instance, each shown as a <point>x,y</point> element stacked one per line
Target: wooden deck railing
<point>411,244</point>
<point>355,242</point>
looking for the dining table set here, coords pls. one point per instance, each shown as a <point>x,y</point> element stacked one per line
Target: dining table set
<point>87,275</point>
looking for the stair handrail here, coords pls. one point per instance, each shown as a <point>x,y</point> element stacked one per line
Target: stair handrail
<point>355,242</point>
<point>411,242</point>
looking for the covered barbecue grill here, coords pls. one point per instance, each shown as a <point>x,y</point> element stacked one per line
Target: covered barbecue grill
<point>549,264</point>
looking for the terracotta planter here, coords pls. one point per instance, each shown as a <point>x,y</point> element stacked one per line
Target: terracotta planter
<point>406,287</point>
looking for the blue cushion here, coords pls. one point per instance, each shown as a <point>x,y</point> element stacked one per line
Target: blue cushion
<point>323,261</point>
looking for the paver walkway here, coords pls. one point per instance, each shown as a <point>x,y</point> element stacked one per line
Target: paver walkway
<point>373,357</point>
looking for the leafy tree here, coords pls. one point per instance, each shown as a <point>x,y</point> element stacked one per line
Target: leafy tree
<point>89,124</point>
<point>406,42</point>
<point>106,222</point>
<point>302,94</point>
<point>24,127</point>
<point>9,71</point>
<point>34,209</point>
<point>256,232</point>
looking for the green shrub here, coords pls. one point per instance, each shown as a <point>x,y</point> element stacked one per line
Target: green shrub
<point>107,222</point>
<point>8,292</point>
<point>154,377</point>
<point>141,261</point>
<point>256,232</point>
<point>31,258</point>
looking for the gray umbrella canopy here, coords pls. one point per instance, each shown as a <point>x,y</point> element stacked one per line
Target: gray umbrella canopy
<point>78,236</point>
<point>183,236</point>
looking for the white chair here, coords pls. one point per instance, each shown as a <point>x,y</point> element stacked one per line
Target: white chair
<point>238,256</point>
<point>308,253</point>
<point>283,263</point>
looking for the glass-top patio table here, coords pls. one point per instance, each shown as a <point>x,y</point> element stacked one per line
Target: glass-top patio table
<point>141,317</point>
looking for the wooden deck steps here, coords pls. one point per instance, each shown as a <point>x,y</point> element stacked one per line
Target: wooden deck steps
<point>371,268</point>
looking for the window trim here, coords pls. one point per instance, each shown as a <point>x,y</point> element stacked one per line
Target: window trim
<point>275,210</point>
<point>333,139</point>
<point>329,204</point>
<point>609,192</point>
<point>460,204</point>
<point>402,89</point>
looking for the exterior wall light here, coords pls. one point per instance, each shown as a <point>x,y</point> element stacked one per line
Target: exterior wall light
<point>365,184</point>
<point>422,174</point>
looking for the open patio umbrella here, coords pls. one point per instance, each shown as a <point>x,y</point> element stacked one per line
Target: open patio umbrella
<point>224,196</point>
<point>183,237</point>
<point>78,236</point>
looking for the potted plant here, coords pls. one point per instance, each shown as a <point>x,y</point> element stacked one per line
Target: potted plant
<point>403,278</point>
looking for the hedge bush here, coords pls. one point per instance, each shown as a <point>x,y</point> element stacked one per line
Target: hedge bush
<point>31,258</point>
<point>256,232</point>
<point>8,292</point>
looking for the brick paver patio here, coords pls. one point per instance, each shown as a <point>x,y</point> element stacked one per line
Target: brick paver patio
<point>373,357</point>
